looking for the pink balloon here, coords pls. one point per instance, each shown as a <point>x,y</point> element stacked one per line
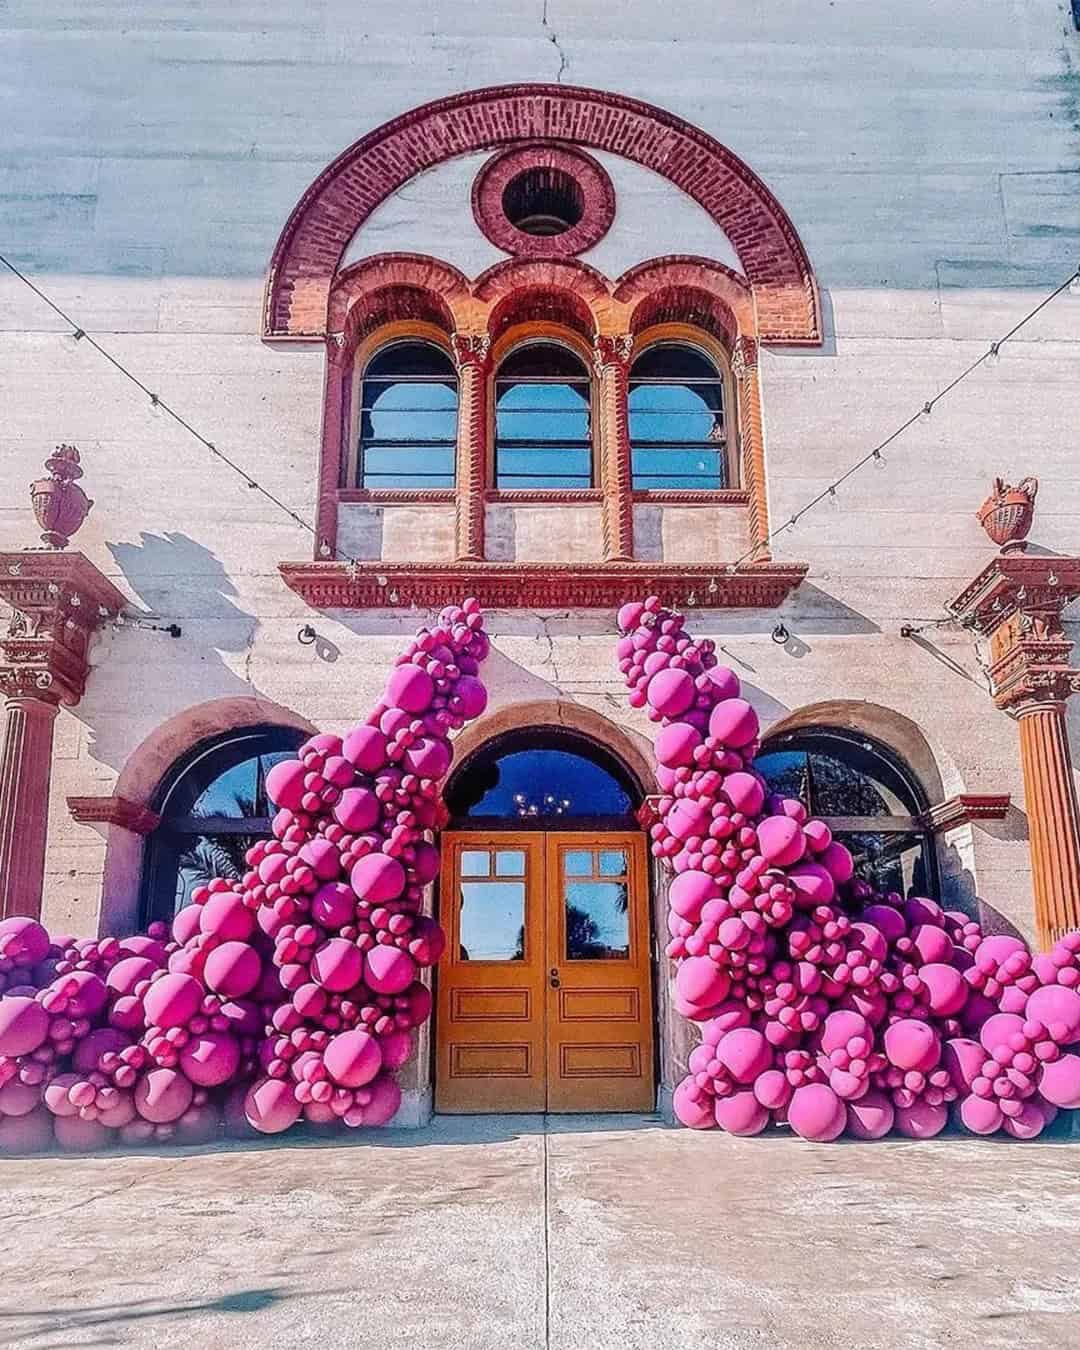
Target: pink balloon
<point>689,891</point>
<point>871,1117</point>
<point>18,1099</point>
<point>211,1058</point>
<point>23,939</point>
<point>388,970</point>
<point>1028,1123</point>
<point>693,1107</point>
<point>1058,1009</point>
<point>103,1041</point>
<point>964,1060</point>
<point>384,1104</point>
<point>781,840</point>
<point>946,988</point>
<point>671,692</point>
<point>285,783</point>
<point>162,1095</point>
<point>1059,1082</point>
<point>981,1115</point>
<point>839,863</point>
<point>733,722</point>
<point>126,974</point>
<point>24,1024</point>
<point>813,885</point>
<point>353,1058</point>
<point>233,969</point>
<point>333,905</point>
<point>411,688</point>
<point>922,1120</point>
<point>357,809</point>
<point>226,916</point>
<point>745,1053</point>
<point>842,1026</point>
<point>741,1113</point>
<point>75,1135</point>
<point>429,757</point>
<point>816,1113</point>
<point>337,965</point>
<point>933,944</point>
<point>473,696</point>
<point>198,1125</point>
<point>270,1106</point>
<point>676,743</point>
<point>701,982</point>
<point>172,1000</point>
<point>745,792</point>
<point>31,1133</point>
<point>772,1090</point>
<point>910,1044</point>
<point>323,858</point>
<point>366,748</point>
<point>378,878</point>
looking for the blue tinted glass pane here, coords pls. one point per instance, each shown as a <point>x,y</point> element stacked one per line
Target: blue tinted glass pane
<point>510,862</point>
<point>525,777</point>
<point>234,793</point>
<point>578,863</point>
<point>415,459</point>
<point>786,772</point>
<point>410,426</point>
<point>541,460</point>
<point>492,921</point>
<point>569,424</point>
<point>475,863</point>
<point>697,468</point>
<point>597,921</point>
<point>612,862</point>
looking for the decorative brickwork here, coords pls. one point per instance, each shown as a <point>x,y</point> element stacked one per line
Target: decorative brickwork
<point>311,246</point>
<point>612,360</point>
<point>582,179</point>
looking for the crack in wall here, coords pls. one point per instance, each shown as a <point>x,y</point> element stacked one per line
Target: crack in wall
<point>553,38</point>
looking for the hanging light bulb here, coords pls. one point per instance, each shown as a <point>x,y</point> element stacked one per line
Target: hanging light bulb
<point>927,409</point>
<point>71,340</point>
<point>1074,285</point>
<point>834,500</point>
<point>992,357</point>
<point>155,405</point>
<point>879,460</point>
<point>713,587</point>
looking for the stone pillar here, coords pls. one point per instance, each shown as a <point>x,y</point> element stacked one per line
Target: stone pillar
<point>611,356</point>
<point>1053,818</point>
<point>1017,602</point>
<point>58,600</point>
<point>746,445</point>
<point>25,770</point>
<point>471,355</point>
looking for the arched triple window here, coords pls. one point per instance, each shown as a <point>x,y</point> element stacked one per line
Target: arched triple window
<point>678,428</point>
<point>543,422</point>
<point>213,806</point>
<point>408,405</point>
<point>866,795</point>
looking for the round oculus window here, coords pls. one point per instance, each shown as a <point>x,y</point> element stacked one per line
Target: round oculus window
<point>543,201</point>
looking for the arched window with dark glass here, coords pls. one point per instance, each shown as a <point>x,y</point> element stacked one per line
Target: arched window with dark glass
<point>408,418</point>
<point>543,427</point>
<point>866,795</point>
<point>678,426</point>
<point>213,806</point>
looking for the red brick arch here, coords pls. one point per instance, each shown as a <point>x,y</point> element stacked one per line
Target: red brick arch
<point>337,203</point>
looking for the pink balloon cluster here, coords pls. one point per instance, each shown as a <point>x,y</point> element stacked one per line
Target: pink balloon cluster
<point>291,992</point>
<point>823,1004</point>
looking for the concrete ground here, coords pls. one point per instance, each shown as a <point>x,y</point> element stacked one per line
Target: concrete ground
<point>519,1232</point>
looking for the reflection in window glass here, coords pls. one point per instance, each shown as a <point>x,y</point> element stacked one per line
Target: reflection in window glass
<point>612,862</point>
<point>509,863</point>
<point>475,863</point>
<point>492,921</point>
<point>408,418</point>
<point>543,436</point>
<point>677,431</point>
<point>578,864</point>
<point>891,862</point>
<point>530,785</point>
<point>597,921</point>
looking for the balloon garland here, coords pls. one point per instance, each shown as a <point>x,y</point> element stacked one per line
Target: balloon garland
<point>822,1003</point>
<point>291,993</point>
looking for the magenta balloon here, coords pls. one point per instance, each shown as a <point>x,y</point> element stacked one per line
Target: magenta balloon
<point>378,878</point>
<point>385,1102</point>
<point>813,884</point>
<point>745,1053</point>
<point>139,945</point>
<point>333,905</point>
<point>871,1117</point>
<point>910,1044</point>
<point>1029,1123</point>
<point>842,1026</point>
<point>32,1133</point>
<point>85,992</point>
<point>692,1107</point>
<point>815,1112</point>
<point>337,965</point>
<point>946,988</point>
<point>838,862</point>
<point>887,920</point>
<point>322,857</point>
<point>126,974</point>
<point>426,862</point>
<point>418,998</point>
<point>722,683</point>
<point>992,951</point>
<point>429,757</point>
<point>922,1120</point>
<point>75,1135</point>
<point>56,1096</point>
<point>772,1090</point>
<point>18,1099</point>
<point>676,743</point>
<point>745,791</point>
<point>933,944</point>
<point>689,891</point>
<point>671,691</point>
<point>103,1041</point>
<point>473,696</point>
<point>172,1000</point>
<point>121,1113</point>
<point>285,783</point>
<point>233,969</point>
<point>353,1058</point>
<point>700,981</point>
<point>388,970</point>
<point>687,818</point>
<point>998,1029</point>
<point>357,809</point>
<point>981,1115</point>
<point>366,748</point>
<point>741,1113</point>
<point>226,916</point>
<point>734,723</point>
<point>629,615</point>
<point>396,1049</point>
<point>23,939</point>
<point>780,840</point>
<point>198,1125</point>
<point>410,687</point>
<point>1059,1082</point>
<point>270,1106</point>
<point>211,1058</point>
<point>24,1024</point>
<point>162,1095</point>
<point>964,1060</point>
<point>428,941</point>
<point>1058,1009</point>
<point>325,742</point>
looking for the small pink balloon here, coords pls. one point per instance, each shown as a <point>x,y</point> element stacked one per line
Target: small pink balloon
<point>162,1095</point>
<point>745,792</point>
<point>964,1060</point>
<point>384,1104</point>
<point>839,863</point>
<point>772,1089</point>
<point>689,891</point>
<point>333,905</point>
<point>981,1115</point>
<point>910,1044</point>
<point>429,757</point>
<point>226,916</point>
<point>23,939</point>
<point>933,944</point>
<point>693,1107</point>
<point>103,1041</point>
<point>357,809</point>
<point>126,974</point>
<point>18,1099</point>
<point>1057,1008</point>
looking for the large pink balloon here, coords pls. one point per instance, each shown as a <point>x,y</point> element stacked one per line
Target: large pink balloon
<point>692,1107</point>
<point>689,891</point>
<point>357,809</point>
<point>871,1117</point>
<point>670,692</point>
<point>366,748</point>
<point>1058,1009</point>
<point>734,723</point>
<point>745,1053</point>
<point>337,965</point>
<point>946,988</point>
<point>23,939</point>
<point>24,1024</point>
<point>75,1135</point>
<point>162,1095</point>
<point>378,878</point>
<point>388,970</point>
<point>384,1103</point>
<point>1059,1082</point>
<point>741,1113</point>
<point>353,1058</point>
<point>31,1133</point>
<point>173,1000</point>
<point>285,783</point>
<point>981,1115</point>
<point>411,688</point>
<point>270,1106</point>
<point>815,1112</point>
<point>781,840</point>
<point>912,1045</point>
<point>675,745</point>
<point>233,969</point>
<point>699,981</point>
<point>921,1121</point>
<point>210,1058</point>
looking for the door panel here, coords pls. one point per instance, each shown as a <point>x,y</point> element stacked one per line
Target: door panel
<point>544,995</point>
<point>599,1010</point>
<point>490,1015</point>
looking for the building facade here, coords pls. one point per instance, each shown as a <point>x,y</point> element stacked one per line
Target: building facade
<point>558,309</point>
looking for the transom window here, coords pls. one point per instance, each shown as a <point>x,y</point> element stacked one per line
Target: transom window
<point>866,795</point>
<point>678,436</point>
<point>408,418</point>
<point>543,427</point>
<point>213,806</point>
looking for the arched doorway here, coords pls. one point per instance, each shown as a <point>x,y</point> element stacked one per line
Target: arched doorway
<point>545,992</point>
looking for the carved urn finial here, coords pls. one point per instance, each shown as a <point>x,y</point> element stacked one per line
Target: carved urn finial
<point>1007,513</point>
<point>60,505</point>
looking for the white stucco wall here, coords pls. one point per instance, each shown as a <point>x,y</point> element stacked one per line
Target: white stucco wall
<point>927,154</point>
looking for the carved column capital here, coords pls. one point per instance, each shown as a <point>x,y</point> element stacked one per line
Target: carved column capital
<point>58,601</point>
<point>612,349</point>
<point>471,349</point>
<point>744,357</point>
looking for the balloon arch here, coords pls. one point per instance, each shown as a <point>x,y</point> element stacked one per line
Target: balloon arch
<point>293,992</point>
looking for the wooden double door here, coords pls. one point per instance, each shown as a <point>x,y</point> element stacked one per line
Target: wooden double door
<point>545,991</point>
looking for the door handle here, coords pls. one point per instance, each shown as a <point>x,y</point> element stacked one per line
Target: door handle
<point>554,979</point>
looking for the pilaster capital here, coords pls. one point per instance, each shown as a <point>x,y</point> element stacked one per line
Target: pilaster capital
<point>471,349</point>
<point>612,349</point>
<point>58,601</point>
<point>744,357</point>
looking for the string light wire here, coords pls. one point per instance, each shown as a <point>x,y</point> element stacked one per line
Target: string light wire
<point>875,454</point>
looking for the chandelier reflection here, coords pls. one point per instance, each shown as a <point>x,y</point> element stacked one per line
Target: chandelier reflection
<point>549,806</point>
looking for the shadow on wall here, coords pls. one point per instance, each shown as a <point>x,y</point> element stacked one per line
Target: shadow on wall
<point>152,676</point>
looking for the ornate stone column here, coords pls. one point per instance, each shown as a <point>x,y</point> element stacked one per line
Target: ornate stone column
<point>58,601</point>
<point>611,356</point>
<point>1016,603</point>
<point>472,356</point>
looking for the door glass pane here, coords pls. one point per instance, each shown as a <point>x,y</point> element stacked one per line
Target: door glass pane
<point>578,864</point>
<point>612,862</point>
<point>597,921</point>
<point>510,862</point>
<point>475,864</point>
<point>492,926</point>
